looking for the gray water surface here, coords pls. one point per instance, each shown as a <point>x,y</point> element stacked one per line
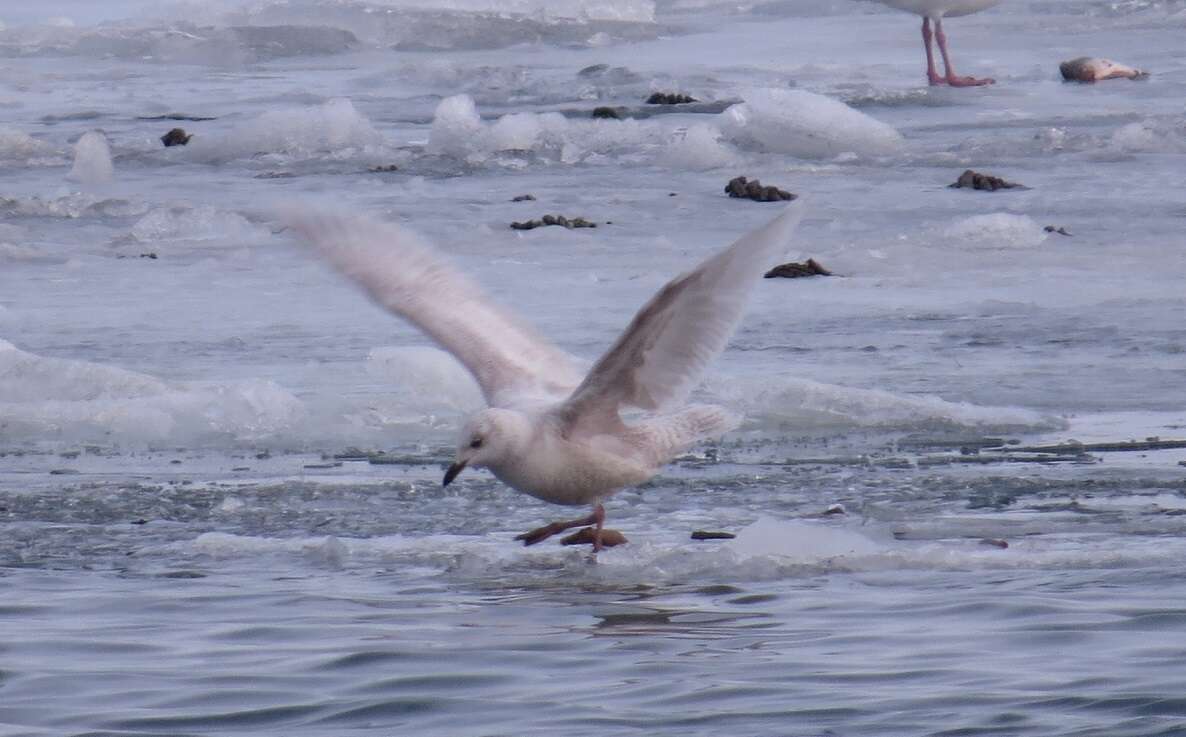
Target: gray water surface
<point>220,465</point>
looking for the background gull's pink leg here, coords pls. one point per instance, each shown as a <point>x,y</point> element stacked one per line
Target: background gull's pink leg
<point>599,518</point>
<point>933,77</point>
<point>954,79</point>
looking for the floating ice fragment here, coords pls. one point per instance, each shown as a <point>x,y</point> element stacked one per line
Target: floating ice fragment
<point>333,127</point>
<point>815,406</point>
<point>426,377</point>
<point>231,504</point>
<point>92,160</point>
<point>270,42</point>
<point>344,125</point>
<point>806,125</point>
<point>196,224</point>
<point>16,145</point>
<point>1151,136</point>
<point>459,132</point>
<point>699,148</point>
<point>456,126</point>
<point>806,542</point>
<point>516,132</point>
<point>27,377</point>
<point>13,253</point>
<point>996,230</point>
<point>73,205</point>
<point>43,398</point>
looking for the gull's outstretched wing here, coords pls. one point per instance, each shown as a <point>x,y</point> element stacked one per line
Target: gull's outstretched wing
<point>407,277</point>
<point>662,355</point>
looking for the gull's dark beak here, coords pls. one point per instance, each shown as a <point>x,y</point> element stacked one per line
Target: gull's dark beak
<point>451,474</point>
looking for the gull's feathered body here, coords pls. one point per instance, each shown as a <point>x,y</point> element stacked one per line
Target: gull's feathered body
<point>936,9</point>
<point>549,431</point>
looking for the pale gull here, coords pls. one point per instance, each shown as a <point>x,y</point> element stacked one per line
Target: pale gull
<point>548,432</point>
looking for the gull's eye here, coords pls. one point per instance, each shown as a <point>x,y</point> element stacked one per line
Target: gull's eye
<point>475,443</point>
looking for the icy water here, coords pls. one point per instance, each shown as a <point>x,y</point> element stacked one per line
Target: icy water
<point>220,501</point>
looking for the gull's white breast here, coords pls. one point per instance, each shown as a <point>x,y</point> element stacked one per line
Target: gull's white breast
<point>568,472</point>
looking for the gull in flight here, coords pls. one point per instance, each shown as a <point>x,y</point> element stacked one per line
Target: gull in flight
<point>550,431</point>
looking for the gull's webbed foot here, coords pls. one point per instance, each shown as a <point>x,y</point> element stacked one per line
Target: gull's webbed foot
<point>588,536</point>
<point>540,534</point>
<point>955,81</point>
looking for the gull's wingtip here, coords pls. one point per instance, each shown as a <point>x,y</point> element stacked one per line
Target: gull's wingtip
<point>773,239</point>
<point>336,234</point>
<point>308,224</point>
<point>785,223</point>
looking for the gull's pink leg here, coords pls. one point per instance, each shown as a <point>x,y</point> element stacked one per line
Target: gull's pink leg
<point>599,519</point>
<point>932,74</point>
<point>540,534</point>
<point>954,79</point>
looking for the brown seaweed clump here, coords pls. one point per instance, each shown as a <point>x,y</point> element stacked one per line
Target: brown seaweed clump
<point>712,535</point>
<point>742,187</point>
<point>554,220</point>
<point>176,137</point>
<point>975,180</point>
<point>670,98</point>
<point>607,113</point>
<point>796,270</point>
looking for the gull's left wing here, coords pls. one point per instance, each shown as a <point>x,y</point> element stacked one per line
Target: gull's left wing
<point>509,360</point>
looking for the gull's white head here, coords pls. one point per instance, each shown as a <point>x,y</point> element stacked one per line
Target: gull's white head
<point>488,438</point>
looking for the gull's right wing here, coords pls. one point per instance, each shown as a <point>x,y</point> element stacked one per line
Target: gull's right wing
<point>663,353</point>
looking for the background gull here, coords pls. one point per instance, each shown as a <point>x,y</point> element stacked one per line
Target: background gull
<point>937,10</point>
<point>547,432</point>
